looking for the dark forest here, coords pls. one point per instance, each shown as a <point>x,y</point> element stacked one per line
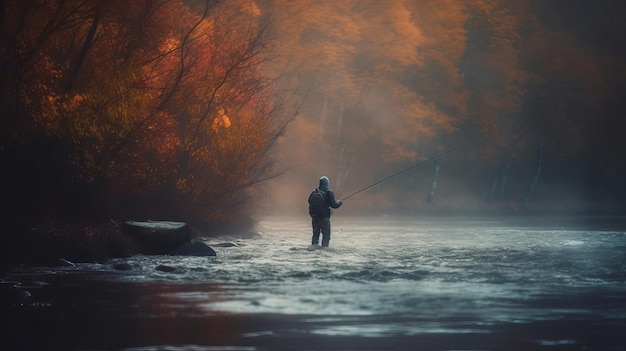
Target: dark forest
<point>211,112</point>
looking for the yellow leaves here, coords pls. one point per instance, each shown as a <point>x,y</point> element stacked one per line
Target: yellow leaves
<point>445,35</point>
<point>251,8</point>
<point>401,41</point>
<point>183,185</point>
<point>136,105</point>
<point>49,110</point>
<point>222,120</point>
<point>226,121</point>
<point>78,98</point>
<point>169,45</point>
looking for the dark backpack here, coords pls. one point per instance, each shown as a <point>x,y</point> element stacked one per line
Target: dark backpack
<point>317,203</point>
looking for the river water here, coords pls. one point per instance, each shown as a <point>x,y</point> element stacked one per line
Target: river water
<point>384,284</point>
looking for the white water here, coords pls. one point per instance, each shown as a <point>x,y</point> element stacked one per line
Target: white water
<point>550,282</point>
<point>406,276</point>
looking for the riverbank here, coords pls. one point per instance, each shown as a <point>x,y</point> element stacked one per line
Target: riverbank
<point>44,242</point>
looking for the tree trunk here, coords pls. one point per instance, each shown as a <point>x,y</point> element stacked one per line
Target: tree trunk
<point>504,177</point>
<point>82,54</point>
<point>499,184</point>
<point>344,162</point>
<point>496,180</point>
<point>433,184</point>
<point>320,133</point>
<point>535,180</point>
<point>323,118</point>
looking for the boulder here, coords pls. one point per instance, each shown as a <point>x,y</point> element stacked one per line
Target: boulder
<point>157,237</point>
<point>195,248</point>
<point>123,266</point>
<point>164,268</point>
<point>225,244</point>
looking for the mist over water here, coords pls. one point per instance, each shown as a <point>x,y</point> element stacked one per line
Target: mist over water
<point>538,281</point>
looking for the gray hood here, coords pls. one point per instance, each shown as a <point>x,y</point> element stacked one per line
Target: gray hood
<point>324,182</point>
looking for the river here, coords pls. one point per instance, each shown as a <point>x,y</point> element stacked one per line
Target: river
<point>503,283</point>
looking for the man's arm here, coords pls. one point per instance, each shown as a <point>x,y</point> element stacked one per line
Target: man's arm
<point>331,200</point>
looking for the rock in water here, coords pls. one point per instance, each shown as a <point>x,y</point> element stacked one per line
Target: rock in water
<point>122,266</point>
<point>157,237</point>
<point>225,244</point>
<point>164,268</point>
<point>61,262</point>
<point>195,248</point>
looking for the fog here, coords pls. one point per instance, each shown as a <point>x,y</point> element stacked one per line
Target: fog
<point>527,103</point>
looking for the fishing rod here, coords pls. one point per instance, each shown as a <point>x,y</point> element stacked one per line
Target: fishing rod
<point>398,173</point>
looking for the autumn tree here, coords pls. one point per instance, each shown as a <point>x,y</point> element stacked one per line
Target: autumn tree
<point>571,101</point>
<point>495,80</point>
<point>361,112</point>
<point>156,109</point>
<point>519,87</point>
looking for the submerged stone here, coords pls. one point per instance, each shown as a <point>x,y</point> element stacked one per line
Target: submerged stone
<point>164,268</point>
<point>195,248</point>
<point>122,266</point>
<point>226,244</point>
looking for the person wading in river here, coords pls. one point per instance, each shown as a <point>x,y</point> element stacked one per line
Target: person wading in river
<point>320,202</point>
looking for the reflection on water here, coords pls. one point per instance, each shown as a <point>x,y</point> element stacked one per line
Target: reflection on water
<point>384,283</point>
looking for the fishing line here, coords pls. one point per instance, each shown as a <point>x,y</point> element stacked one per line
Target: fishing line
<point>398,173</point>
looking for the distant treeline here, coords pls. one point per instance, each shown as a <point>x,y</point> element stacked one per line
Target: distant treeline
<point>173,109</point>
<point>531,93</point>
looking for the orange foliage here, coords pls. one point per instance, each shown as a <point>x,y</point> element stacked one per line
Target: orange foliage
<point>152,96</point>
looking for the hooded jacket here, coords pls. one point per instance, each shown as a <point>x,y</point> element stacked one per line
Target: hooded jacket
<point>330,196</point>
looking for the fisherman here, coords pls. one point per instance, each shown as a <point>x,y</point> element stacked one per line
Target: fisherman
<point>320,202</point>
